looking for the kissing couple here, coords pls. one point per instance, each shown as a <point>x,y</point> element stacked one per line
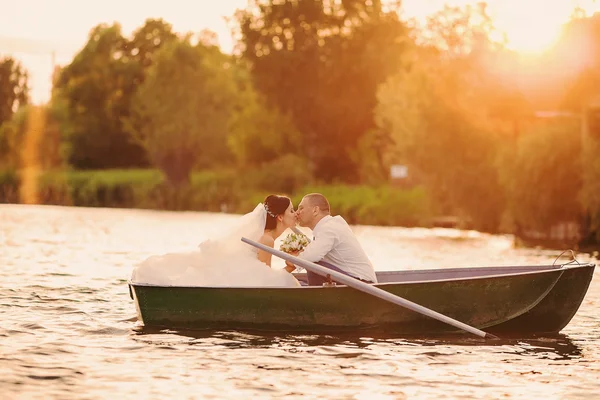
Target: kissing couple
<point>225,261</point>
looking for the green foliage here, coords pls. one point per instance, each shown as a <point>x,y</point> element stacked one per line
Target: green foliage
<point>452,154</point>
<point>321,63</point>
<point>146,41</point>
<point>384,205</point>
<point>14,88</point>
<point>217,190</point>
<point>220,191</point>
<point>100,188</point>
<point>48,141</point>
<point>12,133</point>
<point>259,133</point>
<point>373,157</point>
<point>285,174</point>
<point>590,194</point>
<point>181,111</point>
<point>446,112</point>
<point>582,94</point>
<point>94,94</point>
<point>546,188</point>
<point>53,149</point>
<point>240,190</point>
<point>208,191</point>
<point>9,186</point>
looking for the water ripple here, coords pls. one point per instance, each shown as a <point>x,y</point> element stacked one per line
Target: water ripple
<point>69,329</point>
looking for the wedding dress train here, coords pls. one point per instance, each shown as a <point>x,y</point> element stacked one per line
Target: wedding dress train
<point>220,262</point>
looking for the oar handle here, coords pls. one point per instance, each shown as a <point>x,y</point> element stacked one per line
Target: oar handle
<point>372,290</point>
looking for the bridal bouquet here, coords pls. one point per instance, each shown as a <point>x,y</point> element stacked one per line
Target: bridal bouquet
<point>293,242</point>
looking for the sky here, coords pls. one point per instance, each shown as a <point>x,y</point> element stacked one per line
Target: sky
<point>41,33</point>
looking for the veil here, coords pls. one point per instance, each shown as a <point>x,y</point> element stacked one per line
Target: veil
<point>223,261</point>
<point>251,226</point>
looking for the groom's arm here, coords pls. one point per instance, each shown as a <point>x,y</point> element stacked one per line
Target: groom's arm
<point>318,248</point>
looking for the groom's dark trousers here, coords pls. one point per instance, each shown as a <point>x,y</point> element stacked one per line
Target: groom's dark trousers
<point>318,280</point>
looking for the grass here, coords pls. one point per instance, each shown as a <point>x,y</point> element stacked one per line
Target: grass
<point>220,191</point>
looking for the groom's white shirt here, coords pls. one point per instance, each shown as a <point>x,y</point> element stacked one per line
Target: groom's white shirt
<point>335,243</point>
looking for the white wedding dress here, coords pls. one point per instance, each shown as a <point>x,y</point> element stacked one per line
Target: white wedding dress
<point>224,261</point>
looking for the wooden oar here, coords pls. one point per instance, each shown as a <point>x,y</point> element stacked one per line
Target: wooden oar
<point>369,289</point>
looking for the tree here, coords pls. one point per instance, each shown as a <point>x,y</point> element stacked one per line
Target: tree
<point>459,31</point>
<point>148,39</point>
<point>259,133</point>
<point>579,45</point>
<point>14,89</point>
<point>181,111</point>
<point>96,90</point>
<point>442,111</point>
<point>374,155</point>
<point>548,183</point>
<point>12,133</point>
<point>321,62</point>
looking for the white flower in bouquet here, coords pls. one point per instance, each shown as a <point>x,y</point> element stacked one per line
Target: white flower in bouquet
<point>293,242</point>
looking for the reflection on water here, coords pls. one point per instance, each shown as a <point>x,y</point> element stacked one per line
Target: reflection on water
<point>555,347</point>
<point>68,327</point>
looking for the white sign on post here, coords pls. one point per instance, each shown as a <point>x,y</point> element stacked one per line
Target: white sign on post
<point>399,171</point>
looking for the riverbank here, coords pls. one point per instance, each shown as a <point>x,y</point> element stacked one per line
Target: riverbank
<point>234,192</point>
<point>224,191</point>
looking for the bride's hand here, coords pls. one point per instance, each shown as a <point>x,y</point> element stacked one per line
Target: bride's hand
<point>289,267</point>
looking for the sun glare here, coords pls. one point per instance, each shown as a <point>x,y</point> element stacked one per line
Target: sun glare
<point>533,27</point>
<point>533,39</point>
<point>530,27</point>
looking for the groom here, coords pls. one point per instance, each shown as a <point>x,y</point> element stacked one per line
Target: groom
<point>334,245</point>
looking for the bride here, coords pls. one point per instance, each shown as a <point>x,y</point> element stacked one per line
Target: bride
<point>226,261</point>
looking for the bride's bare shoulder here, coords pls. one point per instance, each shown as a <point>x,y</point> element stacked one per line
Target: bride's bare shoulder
<point>267,240</point>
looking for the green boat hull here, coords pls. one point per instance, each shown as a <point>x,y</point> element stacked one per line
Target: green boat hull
<point>557,308</point>
<point>486,301</point>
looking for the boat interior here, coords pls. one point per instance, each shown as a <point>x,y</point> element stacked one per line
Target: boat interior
<point>454,273</point>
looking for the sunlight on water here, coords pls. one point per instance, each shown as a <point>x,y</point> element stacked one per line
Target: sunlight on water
<point>69,330</point>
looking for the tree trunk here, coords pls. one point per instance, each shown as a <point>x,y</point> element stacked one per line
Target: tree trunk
<point>177,168</point>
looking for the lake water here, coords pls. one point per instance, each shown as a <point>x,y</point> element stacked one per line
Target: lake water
<point>68,329</point>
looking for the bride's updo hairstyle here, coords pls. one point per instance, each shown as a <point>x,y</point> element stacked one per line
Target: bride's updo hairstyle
<point>275,205</point>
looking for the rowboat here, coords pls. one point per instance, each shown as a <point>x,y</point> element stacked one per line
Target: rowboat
<point>508,300</point>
